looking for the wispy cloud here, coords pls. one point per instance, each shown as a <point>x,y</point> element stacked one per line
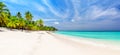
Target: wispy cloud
<point>39,7</point>
<point>76,5</point>
<point>65,15</point>
<point>19,2</point>
<point>95,12</point>
<point>56,23</point>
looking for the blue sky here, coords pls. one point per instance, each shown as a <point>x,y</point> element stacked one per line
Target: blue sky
<point>71,14</point>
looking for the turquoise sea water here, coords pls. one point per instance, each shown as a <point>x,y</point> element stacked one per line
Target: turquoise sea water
<point>93,35</point>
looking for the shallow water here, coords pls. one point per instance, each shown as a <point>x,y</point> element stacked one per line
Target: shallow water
<point>93,35</point>
<point>105,38</point>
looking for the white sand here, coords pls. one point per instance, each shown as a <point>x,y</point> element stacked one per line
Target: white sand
<point>42,43</point>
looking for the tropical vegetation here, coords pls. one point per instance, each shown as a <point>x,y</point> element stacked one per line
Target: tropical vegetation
<point>18,22</point>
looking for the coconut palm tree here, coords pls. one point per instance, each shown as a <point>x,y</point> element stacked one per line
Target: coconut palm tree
<point>3,7</point>
<point>13,22</point>
<point>4,14</point>
<point>40,22</point>
<point>11,25</point>
<point>4,18</point>
<point>22,23</point>
<point>28,16</point>
<point>19,15</point>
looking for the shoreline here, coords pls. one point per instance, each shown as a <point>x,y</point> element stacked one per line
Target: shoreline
<point>49,43</point>
<point>89,41</point>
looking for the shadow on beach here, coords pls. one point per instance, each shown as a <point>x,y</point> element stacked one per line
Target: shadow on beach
<point>1,31</point>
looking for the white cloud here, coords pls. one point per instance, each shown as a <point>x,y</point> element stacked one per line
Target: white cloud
<point>72,20</point>
<point>56,22</point>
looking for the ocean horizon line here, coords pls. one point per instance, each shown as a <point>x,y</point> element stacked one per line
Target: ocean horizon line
<point>91,31</point>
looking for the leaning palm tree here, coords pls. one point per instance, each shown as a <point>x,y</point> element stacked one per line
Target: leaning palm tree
<point>4,18</point>
<point>2,7</point>
<point>4,14</point>
<point>28,16</point>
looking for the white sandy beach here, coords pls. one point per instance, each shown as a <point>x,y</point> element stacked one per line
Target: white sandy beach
<point>44,43</point>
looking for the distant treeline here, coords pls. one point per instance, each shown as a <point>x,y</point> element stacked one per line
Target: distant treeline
<point>18,22</point>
